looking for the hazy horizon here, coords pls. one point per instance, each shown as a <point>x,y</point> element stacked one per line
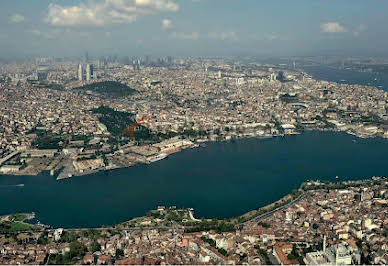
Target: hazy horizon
<point>193,28</point>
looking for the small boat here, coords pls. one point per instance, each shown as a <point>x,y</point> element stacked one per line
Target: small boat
<point>7,186</point>
<point>336,177</point>
<point>195,146</point>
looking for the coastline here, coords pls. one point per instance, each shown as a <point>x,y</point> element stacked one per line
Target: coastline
<point>68,171</point>
<point>152,221</point>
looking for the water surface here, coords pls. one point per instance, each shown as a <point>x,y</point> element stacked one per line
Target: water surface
<point>222,180</point>
<point>345,76</point>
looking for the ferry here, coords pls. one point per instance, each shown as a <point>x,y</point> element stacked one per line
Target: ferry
<point>156,158</point>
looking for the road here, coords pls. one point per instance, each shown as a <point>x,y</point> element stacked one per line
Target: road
<point>270,213</point>
<point>108,228</point>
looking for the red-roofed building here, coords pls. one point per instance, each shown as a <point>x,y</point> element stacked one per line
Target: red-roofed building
<point>281,250</point>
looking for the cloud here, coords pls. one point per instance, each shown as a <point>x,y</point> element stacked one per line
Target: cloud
<point>45,35</point>
<point>360,29</point>
<point>61,33</point>
<point>106,12</point>
<point>223,36</point>
<point>16,18</point>
<point>332,27</point>
<point>185,36</point>
<point>265,37</point>
<point>166,24</point>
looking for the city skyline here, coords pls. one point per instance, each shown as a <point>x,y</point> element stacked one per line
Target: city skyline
<point>192,27</point>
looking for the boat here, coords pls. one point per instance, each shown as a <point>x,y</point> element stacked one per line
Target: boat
<point>336,177</point>
<point>195,146</point>
<point>18,185</point>
<point>156,158</point>
<point>264,137</point>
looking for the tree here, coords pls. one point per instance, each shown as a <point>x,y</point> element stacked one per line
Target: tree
<point>357,197</point>
<point>223,252</point>
<point>77,251</point>
<point>119,253</point>
<point>95,247</point>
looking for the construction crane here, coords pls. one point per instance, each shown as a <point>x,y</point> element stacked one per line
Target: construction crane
<point>131,128</point>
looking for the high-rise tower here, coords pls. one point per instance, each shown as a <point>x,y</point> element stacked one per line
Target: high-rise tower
<point>80,73</point>
<point>89,72</point>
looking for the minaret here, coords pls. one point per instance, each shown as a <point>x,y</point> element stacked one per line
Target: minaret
<point>324,243</point>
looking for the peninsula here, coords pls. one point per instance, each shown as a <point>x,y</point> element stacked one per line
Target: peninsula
<point>77,127</point>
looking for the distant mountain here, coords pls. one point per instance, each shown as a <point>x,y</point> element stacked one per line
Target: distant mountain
<point>108,88</point>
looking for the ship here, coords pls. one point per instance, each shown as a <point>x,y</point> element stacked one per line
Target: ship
<point>264,136</point>
<point>157,157</point>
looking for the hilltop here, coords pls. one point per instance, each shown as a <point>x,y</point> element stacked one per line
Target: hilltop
<point>108,88</point>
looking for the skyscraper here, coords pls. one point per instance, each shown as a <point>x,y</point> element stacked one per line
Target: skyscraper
<point>80,73</point>
<point>89,72</point>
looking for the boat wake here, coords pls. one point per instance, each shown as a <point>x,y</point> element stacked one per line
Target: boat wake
<point>7,186</point>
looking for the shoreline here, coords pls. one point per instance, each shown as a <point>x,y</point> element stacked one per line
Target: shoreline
<point>59,174</point>
<point>254,215</point>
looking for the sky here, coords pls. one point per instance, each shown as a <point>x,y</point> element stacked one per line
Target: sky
<point>193,27</point>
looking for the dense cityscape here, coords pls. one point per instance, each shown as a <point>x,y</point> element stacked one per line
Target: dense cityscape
<point>321,223</point>
<point>70,118</point>
<point>185,103</point>
<point>196,132</point>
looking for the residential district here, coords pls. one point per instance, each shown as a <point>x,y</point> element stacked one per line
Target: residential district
<point>74,118</point>
<point>320,223</point>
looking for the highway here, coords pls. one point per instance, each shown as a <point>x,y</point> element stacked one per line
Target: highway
<point>270,213</point>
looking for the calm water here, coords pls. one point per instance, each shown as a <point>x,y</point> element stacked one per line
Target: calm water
<point>348,76</point>
<point>221,180</point>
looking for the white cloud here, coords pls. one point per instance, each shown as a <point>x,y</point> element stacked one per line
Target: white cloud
<point>16,18</point>
<point>185,36</point>
<point>45,35</point>
<point>105,12</point>
<point>264,37</point>
<point>61,33</point>
<point>223,36</point>
<point>332,27</point>
<point>360,29</point>
<point>166,24</point>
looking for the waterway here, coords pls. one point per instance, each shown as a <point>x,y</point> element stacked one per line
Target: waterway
<point>345,76</point>
<point>224,179</point>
